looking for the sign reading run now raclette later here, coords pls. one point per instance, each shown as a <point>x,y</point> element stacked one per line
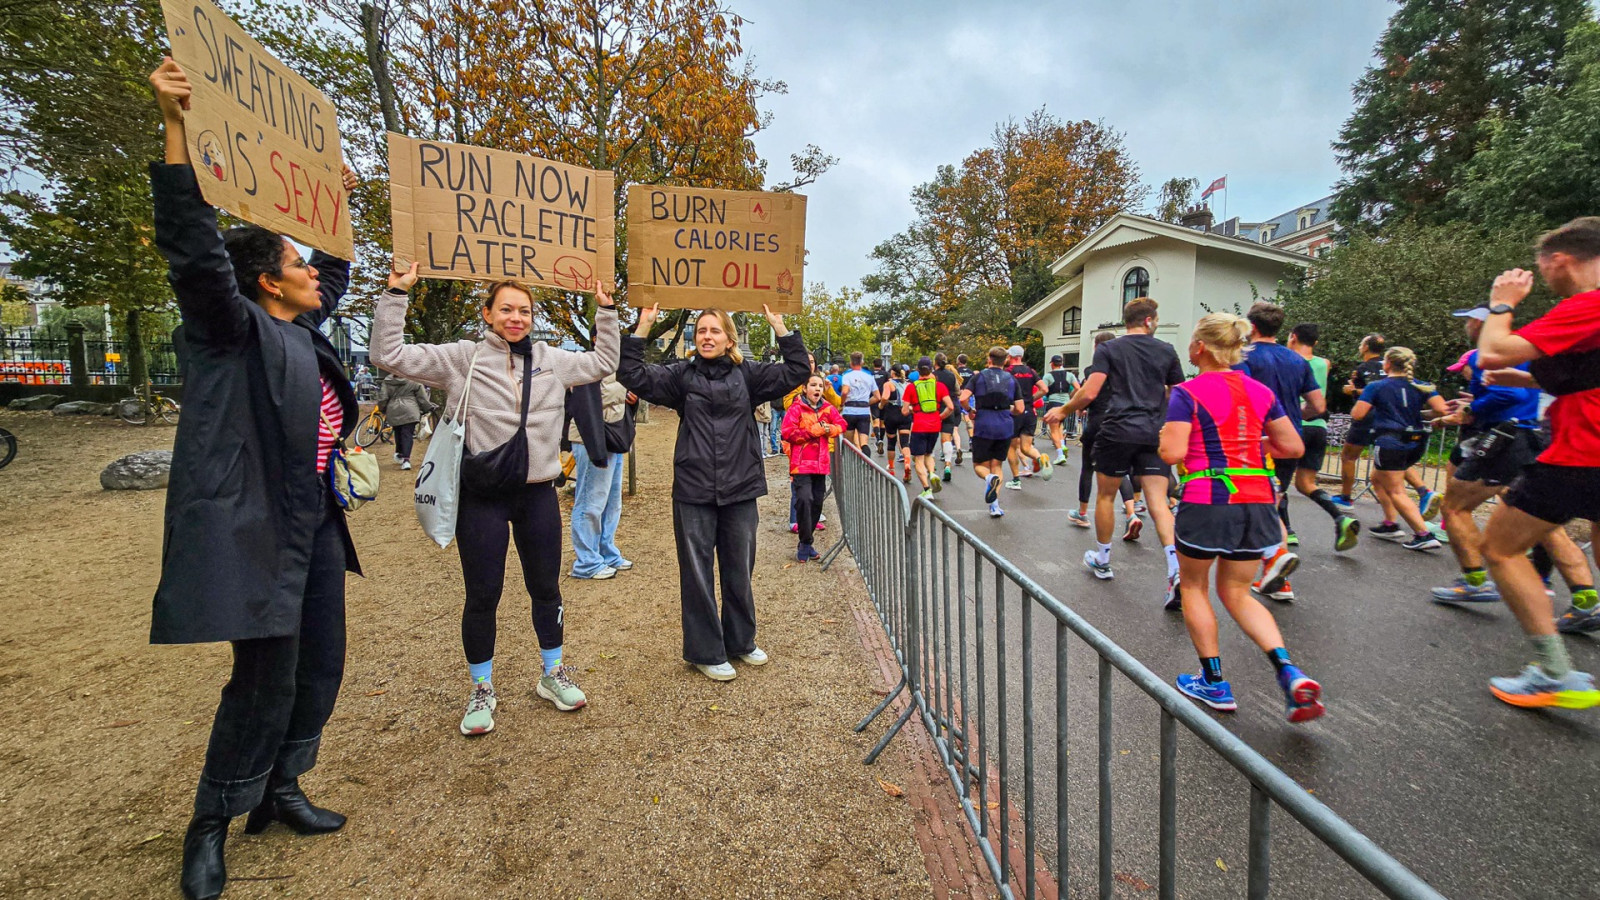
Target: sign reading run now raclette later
<point>698,247</point>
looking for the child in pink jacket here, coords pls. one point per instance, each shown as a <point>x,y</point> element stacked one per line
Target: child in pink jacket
<point>808,427</point>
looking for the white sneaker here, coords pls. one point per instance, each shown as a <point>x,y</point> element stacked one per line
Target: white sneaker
<point>718,672</point>
<point>995,511</point>
<point>756,657</point>
<point>623,565</point>
<point>405,465</point>
<point>602,575</point>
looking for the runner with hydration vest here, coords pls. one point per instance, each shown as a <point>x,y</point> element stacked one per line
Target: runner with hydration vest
<point>992,396</point>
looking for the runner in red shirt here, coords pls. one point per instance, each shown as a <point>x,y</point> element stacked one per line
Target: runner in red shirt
<point>1565,482</point>
<point>927,401</point>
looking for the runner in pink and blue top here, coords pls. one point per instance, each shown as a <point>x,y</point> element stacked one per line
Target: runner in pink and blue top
<point>1220,425</point>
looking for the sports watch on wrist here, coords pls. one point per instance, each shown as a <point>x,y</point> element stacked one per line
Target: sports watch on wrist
<point>1501,308</point>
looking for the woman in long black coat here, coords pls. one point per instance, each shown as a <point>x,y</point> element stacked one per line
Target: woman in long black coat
<point>255,548</point>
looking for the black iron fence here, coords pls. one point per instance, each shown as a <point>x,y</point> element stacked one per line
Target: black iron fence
<point>955,612</point>
<point>29,360</point>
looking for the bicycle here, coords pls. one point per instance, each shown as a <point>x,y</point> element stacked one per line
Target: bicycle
<point>8,447</point>
<point>374,428</point>
<point>145,406</point>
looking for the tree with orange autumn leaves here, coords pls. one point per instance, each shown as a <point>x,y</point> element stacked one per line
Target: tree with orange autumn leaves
<point>986,232</point>
<point>657,91</point>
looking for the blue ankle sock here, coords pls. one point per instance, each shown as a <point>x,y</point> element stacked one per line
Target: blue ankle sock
<point>483,671</point>
<point>1211,669</point>
<point>552,658</point>
<point>1279,657</point>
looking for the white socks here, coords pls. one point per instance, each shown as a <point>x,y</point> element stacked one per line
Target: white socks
<point>1172,559</point>
<point>1102,553</point>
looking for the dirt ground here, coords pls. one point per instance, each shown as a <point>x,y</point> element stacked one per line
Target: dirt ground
<point>667,785</point>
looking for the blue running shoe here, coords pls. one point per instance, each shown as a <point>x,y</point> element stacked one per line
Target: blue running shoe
<point>1428,504</point>
<point>1532,688</point>
<point>1217,695</point>
<point>1303,693</point>
<point>1343,502</point>
<point>991,489</point>
<point>1101,570</point>
<point>1459,591</point>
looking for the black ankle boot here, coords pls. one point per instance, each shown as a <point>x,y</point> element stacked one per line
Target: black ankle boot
<point>203,871</point>
<point>285,802</point>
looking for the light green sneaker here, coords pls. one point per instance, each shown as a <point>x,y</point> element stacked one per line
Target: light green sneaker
<point>480,710</point>
<point>557,687</point>
<point>935,483</point>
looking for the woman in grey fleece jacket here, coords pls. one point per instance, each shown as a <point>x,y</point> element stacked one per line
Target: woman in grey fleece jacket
<point>494,409</point>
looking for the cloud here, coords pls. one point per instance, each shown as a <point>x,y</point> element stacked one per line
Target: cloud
<point>1253,90</point>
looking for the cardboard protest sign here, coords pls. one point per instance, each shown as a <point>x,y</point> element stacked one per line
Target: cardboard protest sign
<point>696,247</point>
<point>264,143</point>
<point>476,214</point>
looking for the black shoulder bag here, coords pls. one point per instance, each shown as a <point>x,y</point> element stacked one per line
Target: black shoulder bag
<point>504,468</point>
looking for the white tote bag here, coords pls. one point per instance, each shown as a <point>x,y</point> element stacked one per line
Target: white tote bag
<point>438,489</point>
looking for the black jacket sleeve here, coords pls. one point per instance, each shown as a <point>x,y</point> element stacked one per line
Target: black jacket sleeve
<point>655,384</point>
<point>214,312</point>
<point>333,278</point>
<point>584,407</point>
<point>773,381</point>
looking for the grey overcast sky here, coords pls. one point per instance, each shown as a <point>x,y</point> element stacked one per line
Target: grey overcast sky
<point>1254,90</point>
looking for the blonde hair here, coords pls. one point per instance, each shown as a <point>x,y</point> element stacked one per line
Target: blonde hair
<point>1402,360</point>
<point>728,328</point>
<point>1224,336</point>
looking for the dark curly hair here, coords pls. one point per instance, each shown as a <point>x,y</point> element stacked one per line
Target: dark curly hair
<point>253,250</point>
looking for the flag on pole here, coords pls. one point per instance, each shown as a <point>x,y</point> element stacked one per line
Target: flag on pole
<point>1221,184</point>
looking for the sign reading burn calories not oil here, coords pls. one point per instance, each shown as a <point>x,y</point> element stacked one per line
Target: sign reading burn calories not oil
<point>697,247</point>
<point>264,143</point>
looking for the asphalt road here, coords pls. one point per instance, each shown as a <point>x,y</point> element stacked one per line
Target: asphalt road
<point>1479,798</point>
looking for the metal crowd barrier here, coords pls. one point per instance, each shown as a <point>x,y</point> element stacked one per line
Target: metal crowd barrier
<point>936,586</point>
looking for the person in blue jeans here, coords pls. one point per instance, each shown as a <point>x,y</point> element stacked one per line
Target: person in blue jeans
<point>597,497</point>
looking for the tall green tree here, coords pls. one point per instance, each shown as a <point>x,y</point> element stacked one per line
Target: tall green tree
<point>1547,164</point>
<point>1176,197</point>
<point>1404,284</point>
<point>1444,70</point>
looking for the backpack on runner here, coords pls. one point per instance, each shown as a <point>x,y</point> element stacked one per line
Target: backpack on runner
<point>989,390</point>
<point>927,400</point>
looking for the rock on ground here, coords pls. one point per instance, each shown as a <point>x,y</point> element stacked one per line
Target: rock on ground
<point>36,402</point>
<point>81,408</point>
<point>146,471</point>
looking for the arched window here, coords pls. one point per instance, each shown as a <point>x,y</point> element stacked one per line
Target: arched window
<point>1135,284</point>
<point>1071,320</point>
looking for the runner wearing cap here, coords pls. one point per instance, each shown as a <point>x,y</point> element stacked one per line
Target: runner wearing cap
<point>1499,438</point>
<point>946,375</point>
<point>1028,388</point>
<point>1058,387</point>
<point>928,404</point>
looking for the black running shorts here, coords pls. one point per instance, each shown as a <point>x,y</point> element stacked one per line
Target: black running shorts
<point>1557,494</point>
<point>986,450</point>
<point>1360,433</point>
<point>1025,424</point>
<point>1239,532</point>
<point>1396,455</point>
<point>923,442</point>
<point>1117,459</point>
<point>1315,437</point>
<point>1504,464</point>
<point>857,421</point>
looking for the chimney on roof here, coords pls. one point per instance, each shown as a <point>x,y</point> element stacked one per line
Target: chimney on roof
<point>1198,218</point>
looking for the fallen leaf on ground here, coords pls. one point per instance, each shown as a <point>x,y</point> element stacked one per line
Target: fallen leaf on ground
<point>715,707</point>
<point>608,656</point>
<point>377,693</point>
<point>789,566</point>
<point>830,621</point>
<point>1133,881</point>
<point>152,837</point>
<point>1222,865</point>
<point>189,722</point>
<point>124,723</point>
<point>891,788</point>
<point>993,805</point>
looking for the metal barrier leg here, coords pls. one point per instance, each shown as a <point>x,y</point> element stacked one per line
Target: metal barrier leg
<point>894,729</point>
<point>878,710</point>
<point>1105,778</point>
<point>1167,882</point>
<point>1260,843</point>
<point>827,558</point>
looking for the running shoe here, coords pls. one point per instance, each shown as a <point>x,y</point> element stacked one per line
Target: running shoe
<point>1135,525</point>
<point>1303,694</point>
<point>1422,542</point>
<point>800,554</point>
<point>1389,531</point>
<point>1014,484</point>
<point>794,527</point>
<point>480,710</point>
<point>1101,570</point>
<point>1217,695</point>
<point>1061,458</point>
<point>1578,621</point>
<point>1533,688</point>
<point>991,489</point>
<point>558,688</point>
<point>1291,539</point>
<point>1428,504</point>
<point>946,473</point>
<point>959,454</point>
<point>1343,502</point>
<point>927,494</point>
<point>1347,531</point>
<point>720,672</point>
<point>1284,594</point>
<point>405,465</point>
<point>1079,519</point>
<point>1460,591</point>
<point>822,525</point>
<point>1140,508</point>
<point>936,484</point>
<point>1045,469</point>
<point>756,657</point>
<point>906,476</point>
<point>1275,572</point>
<point>1173,601</point>
<point>995,511</point>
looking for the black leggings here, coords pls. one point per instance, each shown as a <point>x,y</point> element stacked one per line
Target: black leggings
<point>535,521</point>
<point>1086,474</point>
<point>809,490</point>
<point>403,436</point>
